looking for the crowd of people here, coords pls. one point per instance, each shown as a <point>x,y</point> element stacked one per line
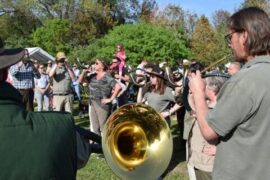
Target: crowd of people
<point>55,85</point>
<point>229,118</point>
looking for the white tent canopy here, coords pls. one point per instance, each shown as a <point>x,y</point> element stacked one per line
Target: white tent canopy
<point>39,54</point>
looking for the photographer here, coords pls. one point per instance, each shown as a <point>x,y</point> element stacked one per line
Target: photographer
<point>23,74</point>
<point>62,76</point>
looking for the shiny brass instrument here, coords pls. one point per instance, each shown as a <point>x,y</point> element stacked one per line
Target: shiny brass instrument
<point>215,63</point>
<point>169,75</point>
<point>138,79</point>
<point>137,142</point>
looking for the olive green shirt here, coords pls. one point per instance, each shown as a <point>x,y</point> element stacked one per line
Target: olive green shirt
<point>61,81</point>
<point>242,118</point>
<point>34,145</point>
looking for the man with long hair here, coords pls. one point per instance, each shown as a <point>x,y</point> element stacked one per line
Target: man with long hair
<point>240,119</point>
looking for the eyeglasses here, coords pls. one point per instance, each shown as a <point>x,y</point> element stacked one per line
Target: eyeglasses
<point>114,62</point>
<point>228,37</point>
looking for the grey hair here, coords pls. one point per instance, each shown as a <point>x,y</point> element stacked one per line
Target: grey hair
<point>215,82</point>
<point>238,64</point>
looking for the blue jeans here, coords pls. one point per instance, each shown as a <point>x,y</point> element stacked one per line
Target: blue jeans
<point>77,91</point>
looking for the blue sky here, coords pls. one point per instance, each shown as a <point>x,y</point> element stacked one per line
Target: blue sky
<point>206,7</point>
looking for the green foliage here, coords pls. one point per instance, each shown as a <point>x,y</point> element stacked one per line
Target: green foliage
<point>144,41</point>
<point>17,25</point>
<point>98,169</point>
<point>204,42</point>
<point>256,3</point>
<point>263,4</point>
<point>53,36</point>
<point>85,53</point>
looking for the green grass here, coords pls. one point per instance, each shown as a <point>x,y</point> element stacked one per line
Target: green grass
<point>98,169</point>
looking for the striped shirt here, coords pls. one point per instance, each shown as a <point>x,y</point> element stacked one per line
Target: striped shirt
<point>23,76</point>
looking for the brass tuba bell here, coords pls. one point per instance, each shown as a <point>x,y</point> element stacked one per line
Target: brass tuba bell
<point>137,142</point>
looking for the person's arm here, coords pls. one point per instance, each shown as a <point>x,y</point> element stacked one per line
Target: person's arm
<point>70,72</point>
<point>13,70</point>
<point>81,77</point>
<point>52,71</point>
<point>36,73</point>
<point>117,88</point>
<point>171,111</point>
<point>48,85</point>
<point>197,87</point>
<point>140,96</point>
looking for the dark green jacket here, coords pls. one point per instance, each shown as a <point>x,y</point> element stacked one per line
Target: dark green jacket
<point>34,146</point>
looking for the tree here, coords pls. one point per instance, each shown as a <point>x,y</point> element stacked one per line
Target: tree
<point>220,18</point>
<point>263,4</point>
<point>204,43</point>
<point>17,23</point>
<point>172,16</point>
<point>147,10</point>
<point>144,41</point>
<point>54,36</point>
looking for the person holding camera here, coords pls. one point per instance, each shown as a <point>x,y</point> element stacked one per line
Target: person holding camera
<point>23,74</point>
<point>62,76</point>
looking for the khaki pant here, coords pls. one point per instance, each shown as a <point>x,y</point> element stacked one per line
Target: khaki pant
<point>98,117</point>
<point>62,102</point>
<point>203,175</point>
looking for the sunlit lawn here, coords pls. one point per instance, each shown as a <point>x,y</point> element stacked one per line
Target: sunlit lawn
<point>97,168</point>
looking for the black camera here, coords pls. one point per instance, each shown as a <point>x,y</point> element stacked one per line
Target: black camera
<point>194,66</point>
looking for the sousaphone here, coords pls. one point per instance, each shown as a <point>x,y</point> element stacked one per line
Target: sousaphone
<point>137,142</point>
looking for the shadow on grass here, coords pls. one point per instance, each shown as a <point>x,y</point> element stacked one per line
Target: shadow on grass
<point>179,152</point>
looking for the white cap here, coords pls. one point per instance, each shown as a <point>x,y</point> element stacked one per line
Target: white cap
<point>227,65</point>
<point>186,62</point>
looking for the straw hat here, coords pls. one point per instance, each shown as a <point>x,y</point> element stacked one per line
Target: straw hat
<point>60,55</point>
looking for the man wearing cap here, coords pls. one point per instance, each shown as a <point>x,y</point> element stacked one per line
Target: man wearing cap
<point>62,77</point>
<point>23,74</point>
<point>33,145</point>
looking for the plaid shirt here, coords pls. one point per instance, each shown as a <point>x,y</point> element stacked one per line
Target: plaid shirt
<point>23,77</point>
